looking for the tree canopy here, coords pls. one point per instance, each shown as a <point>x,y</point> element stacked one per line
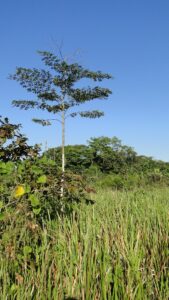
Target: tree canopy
<point>55,89</point>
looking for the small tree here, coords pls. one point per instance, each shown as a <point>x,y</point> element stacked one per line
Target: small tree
<point>56,92</point>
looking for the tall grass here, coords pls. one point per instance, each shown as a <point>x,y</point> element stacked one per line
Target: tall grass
<point>115,249</point>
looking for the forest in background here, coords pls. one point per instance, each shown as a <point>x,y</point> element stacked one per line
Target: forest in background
<point>110,164</point>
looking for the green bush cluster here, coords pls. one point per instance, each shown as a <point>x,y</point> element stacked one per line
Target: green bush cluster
<point>32,182</point>
<point>131,181</point>
<point>36,185</point>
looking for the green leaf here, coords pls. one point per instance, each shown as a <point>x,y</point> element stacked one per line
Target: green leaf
<point>42,179</point>
<point>2,216</point>
<point>42,122</point>
<point>37,211</point>
<point>36,170</point>
<point>27,250</point>
<point>1,204</point>
<point>27,188</point>
<point>34,200</point>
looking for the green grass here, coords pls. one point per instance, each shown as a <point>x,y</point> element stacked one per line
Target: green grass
<point>115,249</point>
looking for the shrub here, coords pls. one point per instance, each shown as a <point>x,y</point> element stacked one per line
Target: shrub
<point>111,181</point>
<point>35,186</point>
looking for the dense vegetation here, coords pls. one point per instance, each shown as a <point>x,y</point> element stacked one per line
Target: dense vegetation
<point>116,249</point>
<point>30,181</point>
<point>111,164</point>
<point>91,226</point>
<point>54,247</point>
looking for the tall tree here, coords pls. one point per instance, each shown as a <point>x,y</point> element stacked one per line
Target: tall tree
<point>56,92</point>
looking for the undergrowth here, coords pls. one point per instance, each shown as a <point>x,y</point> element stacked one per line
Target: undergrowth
<point>115,249</point>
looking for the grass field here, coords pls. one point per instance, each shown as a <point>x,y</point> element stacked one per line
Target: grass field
<point>115,249</point>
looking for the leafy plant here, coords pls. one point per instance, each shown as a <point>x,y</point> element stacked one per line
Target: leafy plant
<point>18,148</point>
<point>35,186</point>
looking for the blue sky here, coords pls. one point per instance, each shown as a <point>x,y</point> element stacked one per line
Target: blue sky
<point>127,38</point>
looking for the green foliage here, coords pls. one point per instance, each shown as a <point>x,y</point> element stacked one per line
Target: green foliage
<point>111,181</point>
<point>32,182</point>
<point>78,157</point>
<point>55,91</point>
<point>110,155</point>
<point>35,186</point>
<point>121,182</point>
<point>34,200</point>
<point>42,179</point>
<point>108,163</point>
<point>107,153</point>
<point>18,148</point>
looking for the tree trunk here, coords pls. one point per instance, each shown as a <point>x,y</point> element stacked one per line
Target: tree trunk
<point>63,154</point>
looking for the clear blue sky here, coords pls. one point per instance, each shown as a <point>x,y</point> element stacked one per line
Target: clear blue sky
<point>128,38</point>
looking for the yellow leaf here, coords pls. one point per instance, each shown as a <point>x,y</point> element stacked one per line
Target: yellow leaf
<point>19,191</point>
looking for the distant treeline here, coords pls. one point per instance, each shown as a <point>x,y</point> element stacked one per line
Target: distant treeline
<point>112,163</point>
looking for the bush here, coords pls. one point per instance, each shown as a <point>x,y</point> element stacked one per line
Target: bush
<point>111,181</point>
<point>35,186</point>
<point>120,182</point>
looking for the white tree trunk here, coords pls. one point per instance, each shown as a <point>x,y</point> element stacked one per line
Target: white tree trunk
<point>63,153</point>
